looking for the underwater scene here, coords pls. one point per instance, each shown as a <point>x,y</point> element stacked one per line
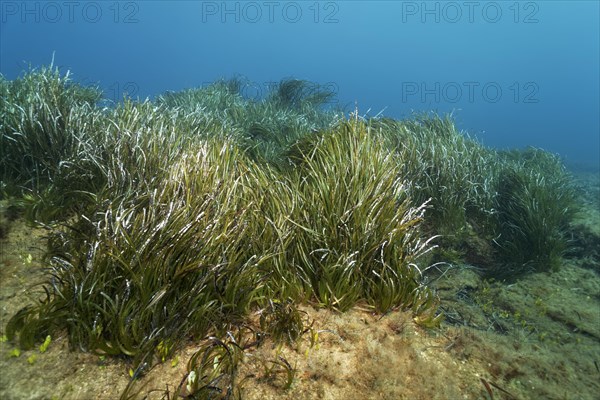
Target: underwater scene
<point>266,221</point>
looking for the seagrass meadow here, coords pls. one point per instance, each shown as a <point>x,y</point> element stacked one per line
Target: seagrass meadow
<point>204,245</point>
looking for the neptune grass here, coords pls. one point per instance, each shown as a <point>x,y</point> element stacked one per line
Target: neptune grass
<point>44,116</point>
<point>264,126</point>
<point>536,203</point>
<point>192,215</point>
<point>179,259</point>
<point>446,166</point>
<point>358,230</point>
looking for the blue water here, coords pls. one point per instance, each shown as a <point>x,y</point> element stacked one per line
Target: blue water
<point>514,73</point>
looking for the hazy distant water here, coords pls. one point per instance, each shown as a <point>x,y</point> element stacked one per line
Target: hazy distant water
<point>516,74</point>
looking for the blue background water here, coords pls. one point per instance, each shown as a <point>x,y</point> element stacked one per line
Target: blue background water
<point>514,73</point>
